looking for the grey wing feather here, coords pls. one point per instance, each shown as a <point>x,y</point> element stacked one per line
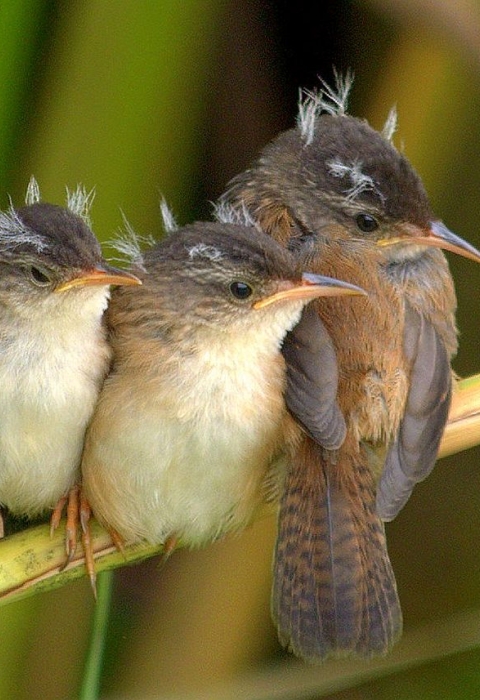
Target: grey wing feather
<point>312,380</point>
<point>412,456</point>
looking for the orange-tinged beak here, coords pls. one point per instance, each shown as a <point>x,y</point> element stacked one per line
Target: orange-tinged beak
<point>310,287</point>
<point>441,237</point>
<point>101,275</point>
<point>437,236</point>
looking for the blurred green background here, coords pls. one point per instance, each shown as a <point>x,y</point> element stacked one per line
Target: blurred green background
<point>143,98</point>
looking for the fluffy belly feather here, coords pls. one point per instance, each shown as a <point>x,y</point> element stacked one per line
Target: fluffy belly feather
<point>171,479</point>
<point>195,468</point>
<point>49,389</point>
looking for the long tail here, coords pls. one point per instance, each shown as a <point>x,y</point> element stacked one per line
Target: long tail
<point>334,590</point>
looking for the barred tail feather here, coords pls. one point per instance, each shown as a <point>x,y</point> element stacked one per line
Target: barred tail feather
<point>334,591</point>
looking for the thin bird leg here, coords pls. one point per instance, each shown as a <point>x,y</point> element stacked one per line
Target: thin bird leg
<point>57,514</point>
<point>117,540</point>
<point>169,546</point>
<point>85,516</point>
<point>73,507</point>
<point>87,541</point>
<point>72,501</point>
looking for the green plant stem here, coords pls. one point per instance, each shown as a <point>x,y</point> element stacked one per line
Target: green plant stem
<point>90,689</point>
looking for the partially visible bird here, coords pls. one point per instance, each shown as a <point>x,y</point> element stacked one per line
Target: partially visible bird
<point>347,203</point>
<point>190,434</point>
<point>54,288</point>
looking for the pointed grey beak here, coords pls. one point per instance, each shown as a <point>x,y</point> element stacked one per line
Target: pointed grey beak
<point>442,237</point>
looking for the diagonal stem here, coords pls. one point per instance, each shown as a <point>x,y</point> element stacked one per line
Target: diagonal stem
<point>30,560</point>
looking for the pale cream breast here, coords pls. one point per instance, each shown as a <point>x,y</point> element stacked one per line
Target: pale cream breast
<point>50,376</point>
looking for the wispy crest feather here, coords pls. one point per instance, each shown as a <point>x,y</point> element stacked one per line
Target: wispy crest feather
<point>226,213</point>
<point>14,233</point>
<point>202,250</point>
<point>32,195</point>
<point>390,126</point>
<point>359,181</point>
<point>328,100</point>
<point>168,219</point>
<point>131,244</point>
<point>79,202</point>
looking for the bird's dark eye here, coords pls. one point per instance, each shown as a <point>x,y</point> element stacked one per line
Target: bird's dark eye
<point>38,277</point>
<point>366,223</point>
<point>241,290</point>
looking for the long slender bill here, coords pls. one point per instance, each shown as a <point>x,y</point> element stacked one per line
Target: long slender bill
<point>442,237</point>
<point>310,287</point>
<point>436,236</point>
<point>101,275</point>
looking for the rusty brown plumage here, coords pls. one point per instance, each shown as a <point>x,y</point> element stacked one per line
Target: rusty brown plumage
<point>346,601</point>
<point>348,204</point>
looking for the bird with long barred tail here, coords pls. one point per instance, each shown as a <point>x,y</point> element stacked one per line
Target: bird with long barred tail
<point>347,203</point>
<point>54,288</point>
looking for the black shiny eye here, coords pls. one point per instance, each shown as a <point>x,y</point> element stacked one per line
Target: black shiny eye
<point>38,277</point>
<point>366,223</point>
<point>241,290</point>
